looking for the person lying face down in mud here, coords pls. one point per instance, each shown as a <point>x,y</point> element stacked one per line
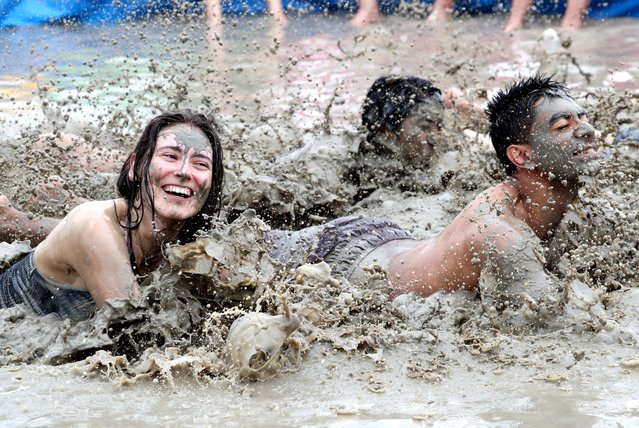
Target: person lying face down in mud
<point>328,173</point>
<point>545,143</point>
<point>169,186</point>
<point>403,117</point>
<point>404,149</point>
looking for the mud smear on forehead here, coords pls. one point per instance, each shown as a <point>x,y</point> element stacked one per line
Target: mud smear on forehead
<point>296,173</point>
<point>188,137</point>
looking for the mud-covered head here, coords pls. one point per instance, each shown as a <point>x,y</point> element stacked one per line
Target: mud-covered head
<point>512,113</point>
<point>391,99</point>
<point>134,183</point>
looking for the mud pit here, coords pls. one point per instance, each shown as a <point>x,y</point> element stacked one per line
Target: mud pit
<point>290,122</point>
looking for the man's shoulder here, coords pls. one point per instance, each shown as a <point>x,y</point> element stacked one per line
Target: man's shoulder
<point>492,214</point>
<point>492,206</point>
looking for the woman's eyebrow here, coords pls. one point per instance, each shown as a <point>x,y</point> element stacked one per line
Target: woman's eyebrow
<point>173,148</point>
<point>203,154</point>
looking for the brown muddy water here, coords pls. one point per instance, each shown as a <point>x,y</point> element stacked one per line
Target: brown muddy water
<point>278,95</point>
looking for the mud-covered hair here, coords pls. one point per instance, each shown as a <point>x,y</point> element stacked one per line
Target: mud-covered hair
<point>391,98</point>
<point>511,113</point>
<point>131,190</point>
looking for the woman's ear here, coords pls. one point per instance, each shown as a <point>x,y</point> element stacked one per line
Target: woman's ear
<point>132,167</point>
<point>521,156</point>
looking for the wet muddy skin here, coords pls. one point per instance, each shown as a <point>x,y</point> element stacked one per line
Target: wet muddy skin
<point>288,105</point>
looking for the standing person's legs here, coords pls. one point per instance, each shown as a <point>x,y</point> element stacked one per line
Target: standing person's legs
<point>367,12</point>
<point>277,11</point>
<point>214,13</point>
<point>518,14</point>
<point>575,11</point>
<point>442,10</point>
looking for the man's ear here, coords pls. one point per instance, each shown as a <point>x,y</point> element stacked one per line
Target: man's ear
<point>521,156</point>
<point>132,167</point>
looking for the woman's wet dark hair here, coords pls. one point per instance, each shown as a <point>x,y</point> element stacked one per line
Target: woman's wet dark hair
<point>391,98</point>
<point>512,113</point>
<point>131,190</point>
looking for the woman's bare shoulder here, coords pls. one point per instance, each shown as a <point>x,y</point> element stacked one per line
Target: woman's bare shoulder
<point>98,207</point>
<point>89,225</point>
<point>96,213</point>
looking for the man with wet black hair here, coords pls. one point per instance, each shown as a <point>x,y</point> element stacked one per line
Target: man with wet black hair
<point>512,114</point>
<point>402,116</point>
<point>390,99</point>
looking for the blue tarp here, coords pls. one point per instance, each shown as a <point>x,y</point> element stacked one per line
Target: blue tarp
<point>33,12</point>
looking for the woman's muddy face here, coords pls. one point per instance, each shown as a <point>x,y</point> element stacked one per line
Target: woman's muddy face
<point>180,172</point>
<point>562,140</point>
<point>420,132</point>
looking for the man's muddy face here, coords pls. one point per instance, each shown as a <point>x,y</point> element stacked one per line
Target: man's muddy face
<point>421,131</point>
<point>562,141</point>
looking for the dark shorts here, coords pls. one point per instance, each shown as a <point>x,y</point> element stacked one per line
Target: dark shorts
<point>342,243</point>
<point>23,284</point>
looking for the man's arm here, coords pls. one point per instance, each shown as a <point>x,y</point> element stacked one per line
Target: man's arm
<point>514,283</point>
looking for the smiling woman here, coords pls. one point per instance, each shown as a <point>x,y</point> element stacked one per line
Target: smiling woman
<point>169,186</point>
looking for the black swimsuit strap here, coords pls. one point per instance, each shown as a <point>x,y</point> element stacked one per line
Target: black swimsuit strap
<point>129,244</point>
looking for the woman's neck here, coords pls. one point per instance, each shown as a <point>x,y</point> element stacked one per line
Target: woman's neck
<point>147,237</point>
